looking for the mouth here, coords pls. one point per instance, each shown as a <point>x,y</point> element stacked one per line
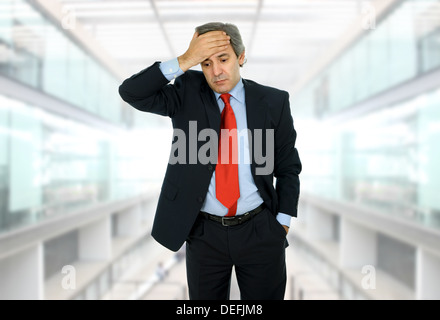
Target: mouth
<point>220,81</point>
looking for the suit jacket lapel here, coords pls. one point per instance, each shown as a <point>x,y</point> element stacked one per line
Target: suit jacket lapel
<point>256,106</point>
<point>256,114</point>
<point>211,107</point>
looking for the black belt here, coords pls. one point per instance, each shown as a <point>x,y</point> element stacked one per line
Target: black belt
<point>232,221</point>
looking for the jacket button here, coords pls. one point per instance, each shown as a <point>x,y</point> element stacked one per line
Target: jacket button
<point>200,199</point>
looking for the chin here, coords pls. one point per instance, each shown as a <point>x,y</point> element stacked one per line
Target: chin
<point>220,89</point>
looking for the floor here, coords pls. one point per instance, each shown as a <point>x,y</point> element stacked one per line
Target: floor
<point>163,277</point>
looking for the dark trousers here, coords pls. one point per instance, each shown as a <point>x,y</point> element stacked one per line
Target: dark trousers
<point>256,248</point>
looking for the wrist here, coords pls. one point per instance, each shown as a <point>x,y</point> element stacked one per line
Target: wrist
<point>184,65</point>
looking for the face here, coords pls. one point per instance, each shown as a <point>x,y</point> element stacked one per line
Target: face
<point>222,70</point>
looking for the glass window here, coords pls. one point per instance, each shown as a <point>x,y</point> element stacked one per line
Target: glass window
<point>50,165</point>
<point>360,70</point>
<point>426,18</point>
<point>378,58</point>
<point>6,21</point>
<point>430,50</point>
<point>54,80</point>
<point>76,90</point>
<point>403,58</point>
<point>28,43</point>
<point>428,157</point>
<point>5,35</point>
<point>40,54</point>
<point>387,160</point>
<point>91,82</point>
<point>25,160</point>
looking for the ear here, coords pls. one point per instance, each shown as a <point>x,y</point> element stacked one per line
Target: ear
<point>241,58</point>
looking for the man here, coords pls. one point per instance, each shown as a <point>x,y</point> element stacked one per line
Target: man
<point>226,209</point>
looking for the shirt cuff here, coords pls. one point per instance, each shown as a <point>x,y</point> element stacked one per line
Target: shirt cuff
<point>284,219</point>
<point>171,69</point>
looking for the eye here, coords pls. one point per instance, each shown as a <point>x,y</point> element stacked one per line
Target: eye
<point>206,64</point>
<point>224,60</point>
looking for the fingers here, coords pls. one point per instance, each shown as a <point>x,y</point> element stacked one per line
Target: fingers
<point>203,46</point>
<point>216,40</point>
<point>221,44</point>
<point>210,43</point>
<point>214,36</point>
<point>211,40</point>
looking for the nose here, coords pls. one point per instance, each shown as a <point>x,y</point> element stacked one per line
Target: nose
<point>216,69</point>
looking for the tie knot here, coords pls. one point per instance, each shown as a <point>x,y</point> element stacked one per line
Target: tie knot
<point>225,97</point>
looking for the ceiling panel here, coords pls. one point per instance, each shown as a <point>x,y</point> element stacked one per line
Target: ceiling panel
<point>282,37</point>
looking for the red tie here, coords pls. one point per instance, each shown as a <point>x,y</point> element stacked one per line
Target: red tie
<point>226,172</point>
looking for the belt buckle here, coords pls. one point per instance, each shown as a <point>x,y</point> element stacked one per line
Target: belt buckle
<point>226,218</point>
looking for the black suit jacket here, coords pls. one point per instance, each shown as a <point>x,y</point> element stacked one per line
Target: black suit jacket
<point>185,185</point>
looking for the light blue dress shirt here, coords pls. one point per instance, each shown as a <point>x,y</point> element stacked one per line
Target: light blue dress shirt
<point>249,195</point>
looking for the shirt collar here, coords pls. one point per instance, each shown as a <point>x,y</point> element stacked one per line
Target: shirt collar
<point>237,92</point>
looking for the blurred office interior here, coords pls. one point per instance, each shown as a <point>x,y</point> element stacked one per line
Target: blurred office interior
<point>79,182</point>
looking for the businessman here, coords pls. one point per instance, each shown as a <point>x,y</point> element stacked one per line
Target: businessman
<point>232,137</point>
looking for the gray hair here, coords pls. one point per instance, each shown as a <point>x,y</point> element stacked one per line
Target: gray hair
<point>230,29</point>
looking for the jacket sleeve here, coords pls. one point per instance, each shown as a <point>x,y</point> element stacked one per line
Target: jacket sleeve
<point>149,91</point>
<point>287,165</point>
